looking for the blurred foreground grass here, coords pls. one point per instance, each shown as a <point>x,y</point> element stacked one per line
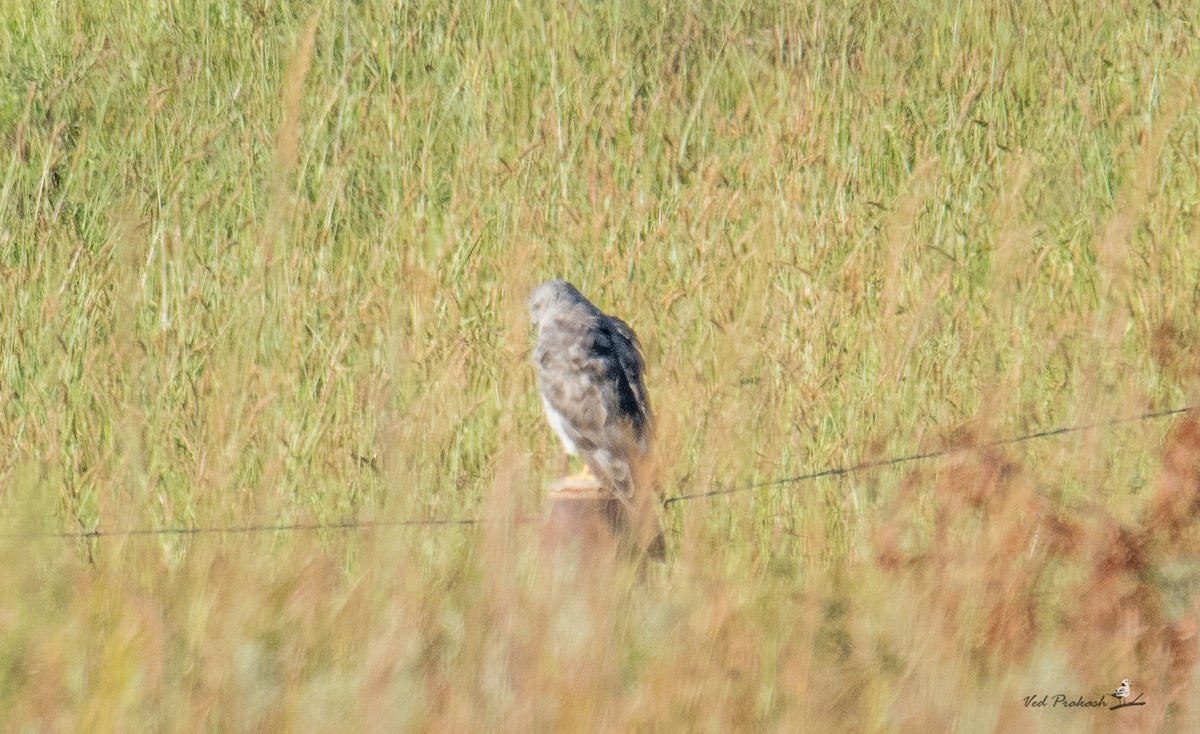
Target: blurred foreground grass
<point>265,262</point>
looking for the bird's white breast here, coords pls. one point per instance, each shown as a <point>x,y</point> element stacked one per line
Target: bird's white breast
<point>559,424</point>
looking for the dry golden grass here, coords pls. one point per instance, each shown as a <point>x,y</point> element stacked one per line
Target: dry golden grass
<point>265,264</point>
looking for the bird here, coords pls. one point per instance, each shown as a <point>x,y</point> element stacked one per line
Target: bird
<point>590,373</point>
<point>1122,691</point>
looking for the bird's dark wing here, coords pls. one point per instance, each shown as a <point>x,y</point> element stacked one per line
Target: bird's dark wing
<point>618,348</point>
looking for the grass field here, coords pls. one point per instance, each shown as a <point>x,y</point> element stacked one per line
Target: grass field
<point>265,263</point>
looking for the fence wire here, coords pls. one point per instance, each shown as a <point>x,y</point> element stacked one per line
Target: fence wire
<point>666,502</point>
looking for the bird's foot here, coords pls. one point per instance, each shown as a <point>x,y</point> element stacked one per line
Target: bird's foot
<point>584,474</point>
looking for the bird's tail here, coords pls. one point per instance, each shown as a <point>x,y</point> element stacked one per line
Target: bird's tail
<point>647,479</point>
<point>657,550</point>
<point>630,482</point>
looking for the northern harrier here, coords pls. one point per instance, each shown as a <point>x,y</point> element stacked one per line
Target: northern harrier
<point>589,369</point>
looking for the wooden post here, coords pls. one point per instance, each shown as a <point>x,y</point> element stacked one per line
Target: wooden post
<point>580,511</point>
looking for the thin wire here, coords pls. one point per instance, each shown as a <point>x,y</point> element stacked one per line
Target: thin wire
<point>468,521</point>
<point>840,471</point>
<point>243,529</point>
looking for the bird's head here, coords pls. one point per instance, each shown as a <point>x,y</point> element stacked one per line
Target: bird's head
<point>549,297</point>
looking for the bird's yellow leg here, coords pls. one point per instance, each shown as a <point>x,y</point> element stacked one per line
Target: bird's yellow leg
<point>584,473</point>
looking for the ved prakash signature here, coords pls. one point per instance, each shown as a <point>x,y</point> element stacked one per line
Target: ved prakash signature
<point>1061,700</point>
